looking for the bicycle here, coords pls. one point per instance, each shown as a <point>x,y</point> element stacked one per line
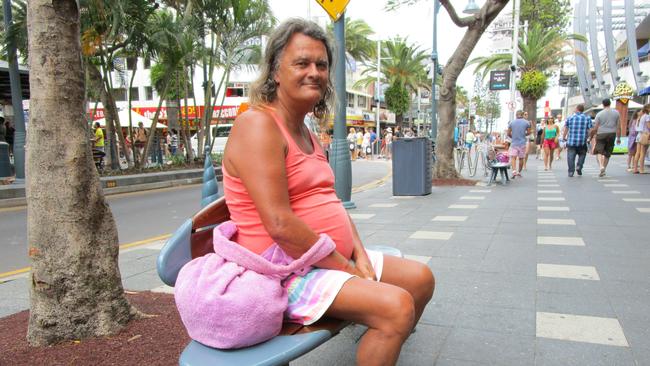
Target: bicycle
<point>462,154</point>
<point>480,154</point>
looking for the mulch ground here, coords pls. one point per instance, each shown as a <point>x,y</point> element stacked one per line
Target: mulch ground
<point>152,341</point>
<point>453,182</point>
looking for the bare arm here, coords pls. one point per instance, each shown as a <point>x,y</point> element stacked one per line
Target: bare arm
<point>256,135</point>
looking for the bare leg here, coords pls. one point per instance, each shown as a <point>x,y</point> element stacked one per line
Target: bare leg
<point>548,155</point>
<point>389,310</point>
<point>550,161</point>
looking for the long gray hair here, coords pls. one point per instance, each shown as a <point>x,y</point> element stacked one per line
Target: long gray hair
<point>264,89</point>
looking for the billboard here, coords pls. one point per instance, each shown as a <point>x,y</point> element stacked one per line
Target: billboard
<point>500,80</point>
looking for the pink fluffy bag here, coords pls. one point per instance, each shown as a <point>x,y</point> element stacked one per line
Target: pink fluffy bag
<point>234,298</point>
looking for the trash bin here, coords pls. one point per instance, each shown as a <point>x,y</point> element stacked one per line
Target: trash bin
<point>412,166</point>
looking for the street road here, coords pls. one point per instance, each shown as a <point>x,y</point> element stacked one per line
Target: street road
<point>141,215</point>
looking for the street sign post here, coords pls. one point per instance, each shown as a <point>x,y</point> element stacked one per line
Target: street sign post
<point>500,80</point>
<point>334,8</point>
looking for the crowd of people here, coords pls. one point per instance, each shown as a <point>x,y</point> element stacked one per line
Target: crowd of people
<point>580,134</point>
<point>166,143</point>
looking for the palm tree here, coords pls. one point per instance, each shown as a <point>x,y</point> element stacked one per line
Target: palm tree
<point>236,27</point>
<point>539,56</point>
<point>403,68</point>
<point>18,30</point>
<point>173,47</point>
<point>357,44</point>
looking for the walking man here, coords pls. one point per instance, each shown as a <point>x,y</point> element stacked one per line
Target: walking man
<point>607,128</point>
<point>518,131</point>
<point>576,128</point>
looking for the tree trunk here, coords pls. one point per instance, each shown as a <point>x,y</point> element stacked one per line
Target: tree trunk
<point>76,291</point>
<point>444,167</point>
<point>530,106</point>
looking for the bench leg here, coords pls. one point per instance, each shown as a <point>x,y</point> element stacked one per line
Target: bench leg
<point>493,175</point>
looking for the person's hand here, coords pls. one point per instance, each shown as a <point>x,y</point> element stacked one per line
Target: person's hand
<point>362,263</point>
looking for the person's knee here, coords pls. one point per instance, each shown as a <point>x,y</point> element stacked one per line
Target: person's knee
<point>397,313</point>
<point>425,282</point>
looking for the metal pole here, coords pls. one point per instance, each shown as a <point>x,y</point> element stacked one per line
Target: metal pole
<point>378,130</point>
<point>515,50</point>
<point>433,131</point>
<point>340,161</point>
<point>16,100</point>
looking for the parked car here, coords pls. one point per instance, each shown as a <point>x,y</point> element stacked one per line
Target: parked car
<point>218,137</point>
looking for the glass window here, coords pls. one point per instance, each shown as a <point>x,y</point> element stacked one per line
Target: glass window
<point>135,93</point>
<point>119,94</point>
<point>131,63</point>
<point>361,101</point>
<point>147,63</point>
<point>148,91</point>
<point>350,100</point>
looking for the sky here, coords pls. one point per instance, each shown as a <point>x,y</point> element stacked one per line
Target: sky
<point>413,22</point>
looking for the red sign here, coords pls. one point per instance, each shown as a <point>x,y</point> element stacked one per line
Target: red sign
<point>227,112</point>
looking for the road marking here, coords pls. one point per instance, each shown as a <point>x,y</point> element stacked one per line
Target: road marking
<point>626,192</point>
<point>402,197</point>
<point>360,216</point>
<point>607,180</point>
<point>643,209</point>
<point>615,185</point>
<point>449,218</point>
<point>555,222</point>
<point>580,328</point>
<point>561,240</point>
<point>480,191</point>
<point>550,198</point>
<point>472,198</point>
<point>383,205</point>
<point>549,191</point>
<point>431,235</point>
<point>567,271</point>
<point>122,247</point>
<point>548,185</point>
<point>12,209</point>
<point>552,208</point>
<point>636,199</point>
<point>468,207</point>
<point>418,258</point>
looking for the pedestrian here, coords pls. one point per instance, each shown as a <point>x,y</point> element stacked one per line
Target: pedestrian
<point>373,141</point>
<point>539,140</point>
<point>469,139</point>
<point>352,143</point>
<point>173,142</point>
<point>365,144</point>
<point>551,137</point>
<point>140,138</point>
<point>398,133</point>
<point>282,202</point>
<point>389,142</point>
<point>607,130</point>
<point>642,140</point>
<point>530,140</point>
<point>518,131</point>
<point>631,139</point>
<point>576,129</point>
<point>358,139</point>
<point>99,138</point>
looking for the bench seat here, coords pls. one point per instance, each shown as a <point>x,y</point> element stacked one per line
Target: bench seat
<point>193,239</point>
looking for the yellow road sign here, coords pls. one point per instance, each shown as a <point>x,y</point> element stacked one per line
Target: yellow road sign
<point>334,8</point>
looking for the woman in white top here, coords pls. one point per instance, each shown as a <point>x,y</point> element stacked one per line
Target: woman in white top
<point>365,145</point>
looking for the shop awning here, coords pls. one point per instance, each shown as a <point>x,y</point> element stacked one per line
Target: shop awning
<point>644,91</point>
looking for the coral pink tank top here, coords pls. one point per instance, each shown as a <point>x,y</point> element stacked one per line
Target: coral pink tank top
<point>311,195</point>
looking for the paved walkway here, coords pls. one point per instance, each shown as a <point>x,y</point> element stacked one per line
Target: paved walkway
<point>547,270</point>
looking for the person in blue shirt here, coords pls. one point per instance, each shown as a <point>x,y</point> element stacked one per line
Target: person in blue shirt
<point>373,138</point>
<point>576,129</point>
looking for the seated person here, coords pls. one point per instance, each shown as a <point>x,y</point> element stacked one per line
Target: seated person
<point>279,188</point>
